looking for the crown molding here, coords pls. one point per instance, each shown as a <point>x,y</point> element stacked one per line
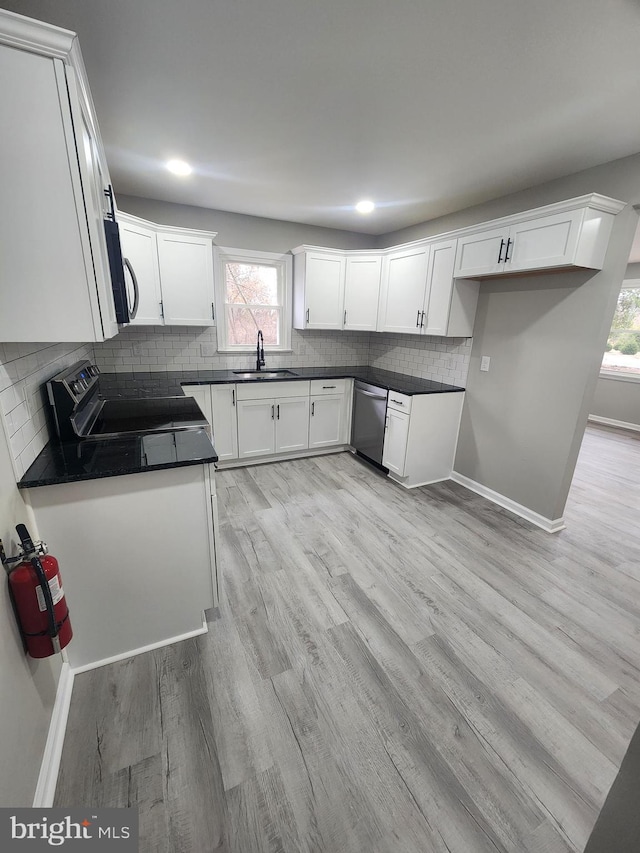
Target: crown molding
<point>35,36</point>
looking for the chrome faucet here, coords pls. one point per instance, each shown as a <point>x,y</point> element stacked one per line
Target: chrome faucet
<point>260,362</point>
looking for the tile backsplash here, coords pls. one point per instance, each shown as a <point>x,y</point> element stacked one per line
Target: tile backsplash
<point>24,368</point>
<point>179,347</point>
<point>442,359</point>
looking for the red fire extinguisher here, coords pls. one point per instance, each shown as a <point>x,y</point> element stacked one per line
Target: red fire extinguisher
<point>38,598</point>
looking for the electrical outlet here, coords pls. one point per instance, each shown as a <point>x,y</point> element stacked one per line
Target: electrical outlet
<point>485,361</point>
<point>138,349</point>
<point>207,350</point>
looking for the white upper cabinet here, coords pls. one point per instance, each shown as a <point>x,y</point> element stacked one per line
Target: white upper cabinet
<point>186,279</point>
<point>361,292</point>
<point>140,253</point>
<point>172,269</point>
<point>402,291</point>
<point>53,258</point>
<point>574,233</point>
<point>318,289</point>
<point>481,253</point>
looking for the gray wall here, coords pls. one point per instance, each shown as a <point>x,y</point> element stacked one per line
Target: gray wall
<point>28,686</point>
<point>617,400</point>
<point>523,421</point>
<point>243,232</point>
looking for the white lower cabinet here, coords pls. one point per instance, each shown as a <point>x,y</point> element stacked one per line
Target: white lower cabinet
<point>218,404</point>
<point>256,428</point>
<point>292,424</point>
<point>419,447</point>
<point>326,422</point>
<point>396,435</point>
<point>224,421</point>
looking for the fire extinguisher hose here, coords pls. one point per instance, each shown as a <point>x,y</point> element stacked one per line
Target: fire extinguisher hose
<point>48,600</point>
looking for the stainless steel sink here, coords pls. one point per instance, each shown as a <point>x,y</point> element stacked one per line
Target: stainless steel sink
<point>263,374</point>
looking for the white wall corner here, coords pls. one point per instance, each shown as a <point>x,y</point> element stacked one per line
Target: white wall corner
<point>48,777</point>
<point>549,525</point>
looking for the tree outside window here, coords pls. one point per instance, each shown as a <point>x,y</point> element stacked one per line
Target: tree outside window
<point>622,354</point>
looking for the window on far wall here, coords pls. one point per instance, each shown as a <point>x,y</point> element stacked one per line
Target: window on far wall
<point>622,356</point>
<point>253,292</point>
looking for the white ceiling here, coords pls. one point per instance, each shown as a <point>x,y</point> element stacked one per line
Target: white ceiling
<point>294,109</point>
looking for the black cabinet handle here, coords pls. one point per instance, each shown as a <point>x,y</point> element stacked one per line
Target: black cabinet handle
<point>213,312</point>
<point>500,252</point>
<point>418,319</point>
<point>278,408</point>
<point>233,396</point>
<point>272,412</point>
<point>307,315</point>
<point>422,319</point>
<point>313,409</point>
<point>506,254</point>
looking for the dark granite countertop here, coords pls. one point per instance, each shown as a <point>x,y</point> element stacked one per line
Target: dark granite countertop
<point>94,459</point>
<point>169,383</point>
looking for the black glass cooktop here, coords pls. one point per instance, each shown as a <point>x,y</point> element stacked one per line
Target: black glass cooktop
<point>149,415</point>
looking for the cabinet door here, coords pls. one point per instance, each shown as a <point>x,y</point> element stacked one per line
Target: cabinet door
<point>404,277</point>
<point>362,292</point>
<point>202,395</point>
<point>482,253</point>
<point>139,248</point>
<point>549,241</point>
<point>292,424</point>
<point>256,428</point>
<point>45,262</point>
<point>437,301</point>
<point>225,426</point>
<point>324,291</point>
<point>186,279</point>
<point>396,436</point>
<point>326,424</point>
<point>95,180</point>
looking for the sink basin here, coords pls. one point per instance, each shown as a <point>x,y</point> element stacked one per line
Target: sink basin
<point>263,374</point>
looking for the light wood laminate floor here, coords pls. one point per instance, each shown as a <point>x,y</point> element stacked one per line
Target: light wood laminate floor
<point>389,672</point>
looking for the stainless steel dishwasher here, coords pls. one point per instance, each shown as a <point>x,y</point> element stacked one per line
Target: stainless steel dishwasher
<point>369,413</point>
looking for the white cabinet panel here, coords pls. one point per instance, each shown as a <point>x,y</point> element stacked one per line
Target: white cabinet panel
<point>404,276</point>
<point>202,395</point>
<point>225,425</point>
<point>481,253</point>
<point>140,249</point>
<point>46,263</point>
<point>256,428</point>
<point>324,291</point>
<point>549,241</point>
<point>396,435</point>
<point>292,424</point>
<point>362,290</point>
<point>437,302</point>
<point>326,423</point>
<point>186,279</point>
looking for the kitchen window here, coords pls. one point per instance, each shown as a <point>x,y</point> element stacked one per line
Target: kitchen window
<point>622,356</point>
<point>253,292</point>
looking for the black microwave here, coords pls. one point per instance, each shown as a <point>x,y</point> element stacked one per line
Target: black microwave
<point>126,301</point>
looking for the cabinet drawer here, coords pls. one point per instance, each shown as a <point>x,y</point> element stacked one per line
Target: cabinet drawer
<point>265,389</point>
<point>328,386</point>
<point>399,402</point>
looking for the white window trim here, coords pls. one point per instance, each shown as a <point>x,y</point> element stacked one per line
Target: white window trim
<point>283,262</point>
<point>627,284</point>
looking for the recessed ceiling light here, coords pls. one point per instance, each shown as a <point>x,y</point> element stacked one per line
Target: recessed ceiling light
<point>365,206</point>
<point>179,167</point>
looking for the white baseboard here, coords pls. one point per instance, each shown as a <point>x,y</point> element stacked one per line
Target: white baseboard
<point>48,777</point>
<point>596,419</point>
<point>547,524</point>
<point>417,485</point>
<point>115,658</point>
